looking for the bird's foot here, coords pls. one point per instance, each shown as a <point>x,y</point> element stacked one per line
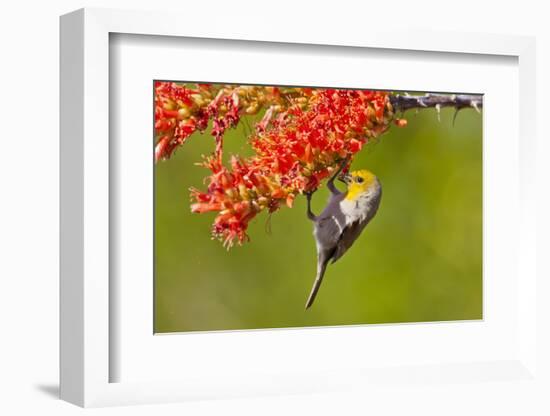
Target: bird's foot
<point>308,194</point>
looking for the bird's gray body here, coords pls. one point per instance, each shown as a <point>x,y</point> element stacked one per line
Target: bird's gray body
<point>339,226</point>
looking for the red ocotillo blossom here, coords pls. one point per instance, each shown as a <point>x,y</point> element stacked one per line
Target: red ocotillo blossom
<point>303,135</point>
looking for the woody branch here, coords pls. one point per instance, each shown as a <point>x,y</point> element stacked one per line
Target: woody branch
<point>402,103</point>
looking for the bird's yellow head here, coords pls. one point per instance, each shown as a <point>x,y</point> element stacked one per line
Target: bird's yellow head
<point>358,182</point>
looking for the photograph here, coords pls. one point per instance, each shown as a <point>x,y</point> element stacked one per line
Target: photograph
<point>307,206</point>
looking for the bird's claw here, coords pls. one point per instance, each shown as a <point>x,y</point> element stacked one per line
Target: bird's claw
<point>344,164</point>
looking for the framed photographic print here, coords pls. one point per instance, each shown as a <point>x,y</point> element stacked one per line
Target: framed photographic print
<point>329,222</point>
<point>274,155</point>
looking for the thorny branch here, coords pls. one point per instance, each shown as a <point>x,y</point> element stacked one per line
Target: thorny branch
<point>402,103</point>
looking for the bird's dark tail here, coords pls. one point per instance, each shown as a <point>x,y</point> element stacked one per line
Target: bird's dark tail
<point>321,267</point>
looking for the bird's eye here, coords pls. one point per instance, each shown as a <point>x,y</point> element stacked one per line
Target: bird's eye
<point>359,179</point>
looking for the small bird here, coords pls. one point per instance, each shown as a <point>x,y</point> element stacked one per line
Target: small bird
<point>343,219</point>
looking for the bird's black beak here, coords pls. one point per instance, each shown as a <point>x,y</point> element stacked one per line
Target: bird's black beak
<point>346,178</point>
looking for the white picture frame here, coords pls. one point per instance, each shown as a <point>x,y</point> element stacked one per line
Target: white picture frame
<point>86,356</point>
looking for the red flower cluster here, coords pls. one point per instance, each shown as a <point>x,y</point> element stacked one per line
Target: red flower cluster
<point>237,194</point>
<point>304,134</point>
<point>179,112</point>
<point>295,150</point>
<point>303,145</point>
<point>182,110</point>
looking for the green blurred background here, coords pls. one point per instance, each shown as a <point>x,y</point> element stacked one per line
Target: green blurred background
<point>420,259</point>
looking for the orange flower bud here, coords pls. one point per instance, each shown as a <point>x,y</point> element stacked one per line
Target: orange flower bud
<point>252,109</point>
<point>278,193</point>
<point>400,122</point>
<point>290,200</point>
<point>183,112</point>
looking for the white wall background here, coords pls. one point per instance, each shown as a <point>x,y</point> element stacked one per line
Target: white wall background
<point>29,208</point>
